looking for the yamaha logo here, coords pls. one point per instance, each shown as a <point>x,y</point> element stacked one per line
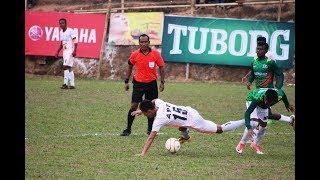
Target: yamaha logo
<point>35,33</point>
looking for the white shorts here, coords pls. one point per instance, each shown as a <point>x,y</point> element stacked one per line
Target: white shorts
<point>198,123</point>
<point>68,58</point>
<point>259,113</point>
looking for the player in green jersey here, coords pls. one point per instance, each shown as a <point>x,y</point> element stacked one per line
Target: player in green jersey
<point>263,70</point>
<point>258,103</point>
<point>269,55</point>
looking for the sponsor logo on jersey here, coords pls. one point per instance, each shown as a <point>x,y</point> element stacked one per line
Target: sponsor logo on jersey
<point>151,64</point>
<point>260,74</point>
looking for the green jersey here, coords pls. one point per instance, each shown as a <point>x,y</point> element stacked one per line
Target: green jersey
<point>263,71</point>
<point>256,97</point>
<point>258,94</point>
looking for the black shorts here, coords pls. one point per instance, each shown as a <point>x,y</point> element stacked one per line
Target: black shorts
<point>149,90</point>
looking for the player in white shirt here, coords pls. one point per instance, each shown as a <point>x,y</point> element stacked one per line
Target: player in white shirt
<point>167,114</point>
<point>69,44</point>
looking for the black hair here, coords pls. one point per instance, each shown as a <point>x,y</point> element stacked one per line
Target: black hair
<point>271,95</point>
<point>63,19</point>
<point>143,35</point>
<point>261,38</point>
<point>266,45</point>
<point>146,105</point>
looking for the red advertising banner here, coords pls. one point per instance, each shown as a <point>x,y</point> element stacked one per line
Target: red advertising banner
<point>42,33</point>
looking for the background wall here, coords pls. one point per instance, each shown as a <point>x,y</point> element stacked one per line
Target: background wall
<point>115,58</point>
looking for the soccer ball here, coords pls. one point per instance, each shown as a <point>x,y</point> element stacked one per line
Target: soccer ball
<point>172,145</point>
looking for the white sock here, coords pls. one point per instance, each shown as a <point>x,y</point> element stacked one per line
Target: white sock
<point>71,78</point>
<point>232,125</point>
<point>257,138</point>
<point>65,77</point>
<point>285,118</point>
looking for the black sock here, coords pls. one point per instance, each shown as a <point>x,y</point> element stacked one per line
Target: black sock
<point>130,120</point>
<point>150,122</point>
<point>184,132</point>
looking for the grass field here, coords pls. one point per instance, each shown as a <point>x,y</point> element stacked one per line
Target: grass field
<point>73,134</point>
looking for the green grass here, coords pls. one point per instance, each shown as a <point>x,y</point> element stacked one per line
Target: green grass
<point>60,140</point>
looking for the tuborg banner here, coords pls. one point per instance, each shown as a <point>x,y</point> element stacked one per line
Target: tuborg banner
<point>225,41</point>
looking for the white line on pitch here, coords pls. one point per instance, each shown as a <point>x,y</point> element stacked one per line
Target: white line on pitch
<point>98,134</point>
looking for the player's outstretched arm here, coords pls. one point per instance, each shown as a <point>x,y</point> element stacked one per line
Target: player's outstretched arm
<point>59,49</point>
<point>161,87</point>
<point>250,78</point>
<point>288,106</point>
<point>244,79</point>
<point>75,43</point>
<point>279,75</point>
<point>247,119</point>
<point>128,74</point>
<point>148,143</point>
<point>248,112</point>
<point>136,113</point>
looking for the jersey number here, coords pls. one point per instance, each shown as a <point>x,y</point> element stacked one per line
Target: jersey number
<point>177,113</point>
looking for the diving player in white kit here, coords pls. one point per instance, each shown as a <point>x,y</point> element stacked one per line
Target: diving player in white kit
<point>167,114</point>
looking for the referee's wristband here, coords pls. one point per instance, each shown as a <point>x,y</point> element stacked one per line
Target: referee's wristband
<point>126,81</point>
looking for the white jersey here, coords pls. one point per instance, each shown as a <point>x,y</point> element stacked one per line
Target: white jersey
<point>269,55</point>
<point>171,115</point>
<point>66,39</point>
<point>180,116</point>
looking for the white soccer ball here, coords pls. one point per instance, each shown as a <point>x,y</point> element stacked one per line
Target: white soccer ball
<point>172,145</point>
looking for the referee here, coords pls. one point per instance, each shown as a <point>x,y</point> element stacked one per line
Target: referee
<point>144,80</point>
